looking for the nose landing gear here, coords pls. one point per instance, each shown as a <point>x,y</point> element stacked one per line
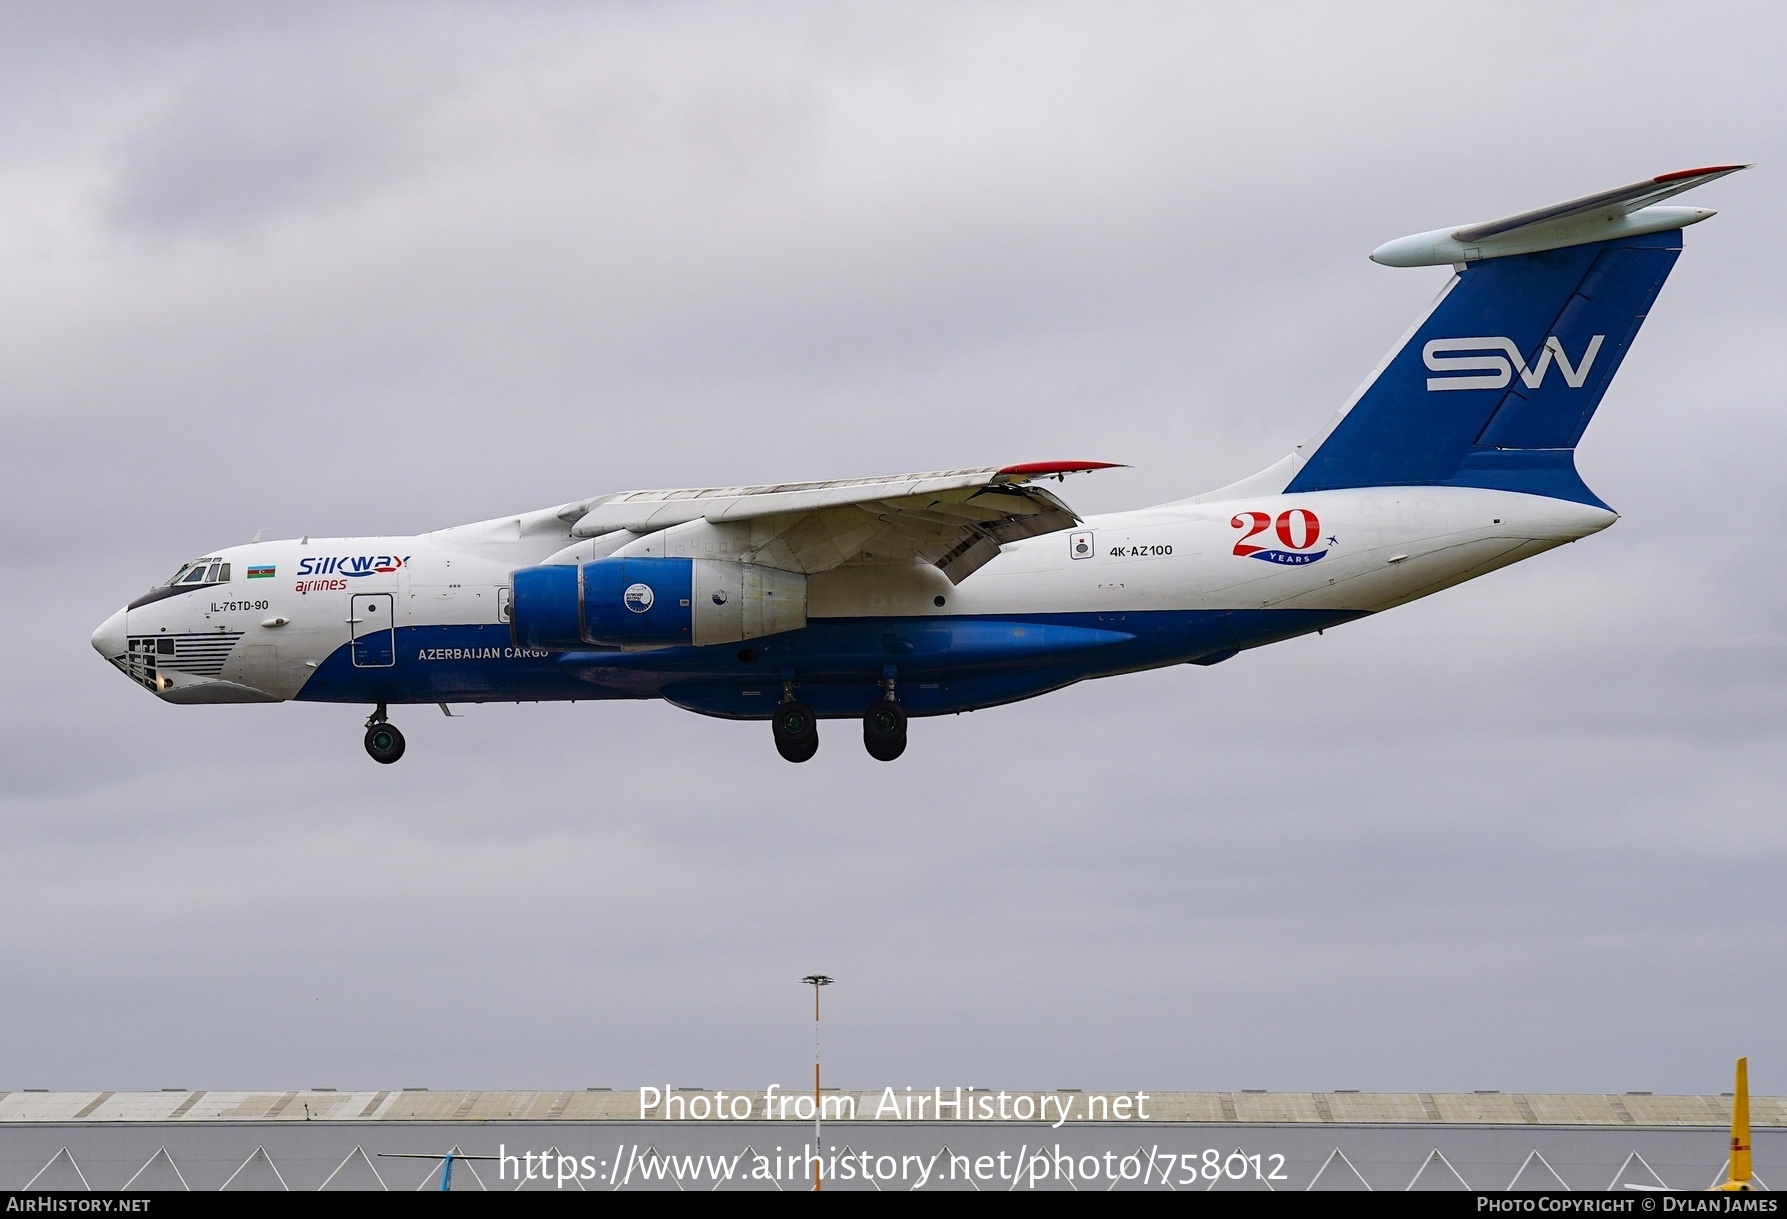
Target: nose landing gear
<point>383,742</point>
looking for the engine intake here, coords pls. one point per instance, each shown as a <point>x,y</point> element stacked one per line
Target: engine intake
<point>654,603</point>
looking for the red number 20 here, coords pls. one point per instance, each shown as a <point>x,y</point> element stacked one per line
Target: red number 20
<point>1297,528</point>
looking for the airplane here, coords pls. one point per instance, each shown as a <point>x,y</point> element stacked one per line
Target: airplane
<point>920,595</point>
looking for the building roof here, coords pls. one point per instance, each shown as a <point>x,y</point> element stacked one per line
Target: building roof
<point>1631,1109</point>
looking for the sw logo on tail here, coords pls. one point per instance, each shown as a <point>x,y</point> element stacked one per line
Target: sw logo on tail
<point>1499,370</point>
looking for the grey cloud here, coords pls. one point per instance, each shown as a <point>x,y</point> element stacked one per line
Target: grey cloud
<point>233,152</point>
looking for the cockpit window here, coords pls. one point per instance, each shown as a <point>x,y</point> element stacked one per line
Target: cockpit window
<point>200,571</point>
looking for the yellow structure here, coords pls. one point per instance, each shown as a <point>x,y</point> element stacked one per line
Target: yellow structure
<point>1738,1175</point>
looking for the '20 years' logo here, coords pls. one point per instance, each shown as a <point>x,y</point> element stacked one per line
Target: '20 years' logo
<point>1298,529</point>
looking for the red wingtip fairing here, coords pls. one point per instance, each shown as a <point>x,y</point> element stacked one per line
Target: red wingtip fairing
<point>1042,468</point>
<point>1679,174</point>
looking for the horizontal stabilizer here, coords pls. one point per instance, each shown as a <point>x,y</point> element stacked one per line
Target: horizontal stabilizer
<point>1625,211</point>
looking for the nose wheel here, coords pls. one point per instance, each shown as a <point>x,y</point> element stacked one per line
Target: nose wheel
<point>384,744</point>
<point>796,730</point>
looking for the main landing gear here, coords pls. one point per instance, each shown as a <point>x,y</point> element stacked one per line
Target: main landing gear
<point>884,726</point>
<point>797,729</point>
<point>383,742</point>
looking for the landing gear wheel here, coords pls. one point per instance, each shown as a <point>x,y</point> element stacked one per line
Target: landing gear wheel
<point>884,730</point>
<point>384,743</point>
<point>797,732</point>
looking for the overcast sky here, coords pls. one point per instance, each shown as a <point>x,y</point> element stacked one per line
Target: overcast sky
<point>378,269</point>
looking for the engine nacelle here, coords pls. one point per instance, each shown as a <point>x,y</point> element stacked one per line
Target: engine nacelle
<point>653,603</point>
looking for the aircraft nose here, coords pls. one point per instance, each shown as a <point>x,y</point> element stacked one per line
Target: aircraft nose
<point>110,640</point>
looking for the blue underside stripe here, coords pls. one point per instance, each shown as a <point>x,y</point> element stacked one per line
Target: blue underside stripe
<point>943,664</point>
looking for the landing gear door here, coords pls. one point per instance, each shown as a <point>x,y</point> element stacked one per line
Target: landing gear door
<point>370,619</point>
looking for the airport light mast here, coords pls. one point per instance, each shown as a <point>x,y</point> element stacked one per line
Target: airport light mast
<point>816,981</point>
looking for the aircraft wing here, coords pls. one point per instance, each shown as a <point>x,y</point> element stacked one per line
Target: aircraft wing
<point>954,519</point>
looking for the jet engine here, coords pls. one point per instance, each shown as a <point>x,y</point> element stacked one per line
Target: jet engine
<point>653,603</point>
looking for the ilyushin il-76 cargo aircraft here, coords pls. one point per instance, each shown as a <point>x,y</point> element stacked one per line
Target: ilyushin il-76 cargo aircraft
<point>919,595</point>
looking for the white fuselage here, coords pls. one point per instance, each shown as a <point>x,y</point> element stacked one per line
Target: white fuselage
<point>289,606</point>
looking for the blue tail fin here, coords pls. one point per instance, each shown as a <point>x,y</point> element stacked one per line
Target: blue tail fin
<point>1494,388</point>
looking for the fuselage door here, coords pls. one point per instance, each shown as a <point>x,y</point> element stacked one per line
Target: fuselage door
<point>370,619</point>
